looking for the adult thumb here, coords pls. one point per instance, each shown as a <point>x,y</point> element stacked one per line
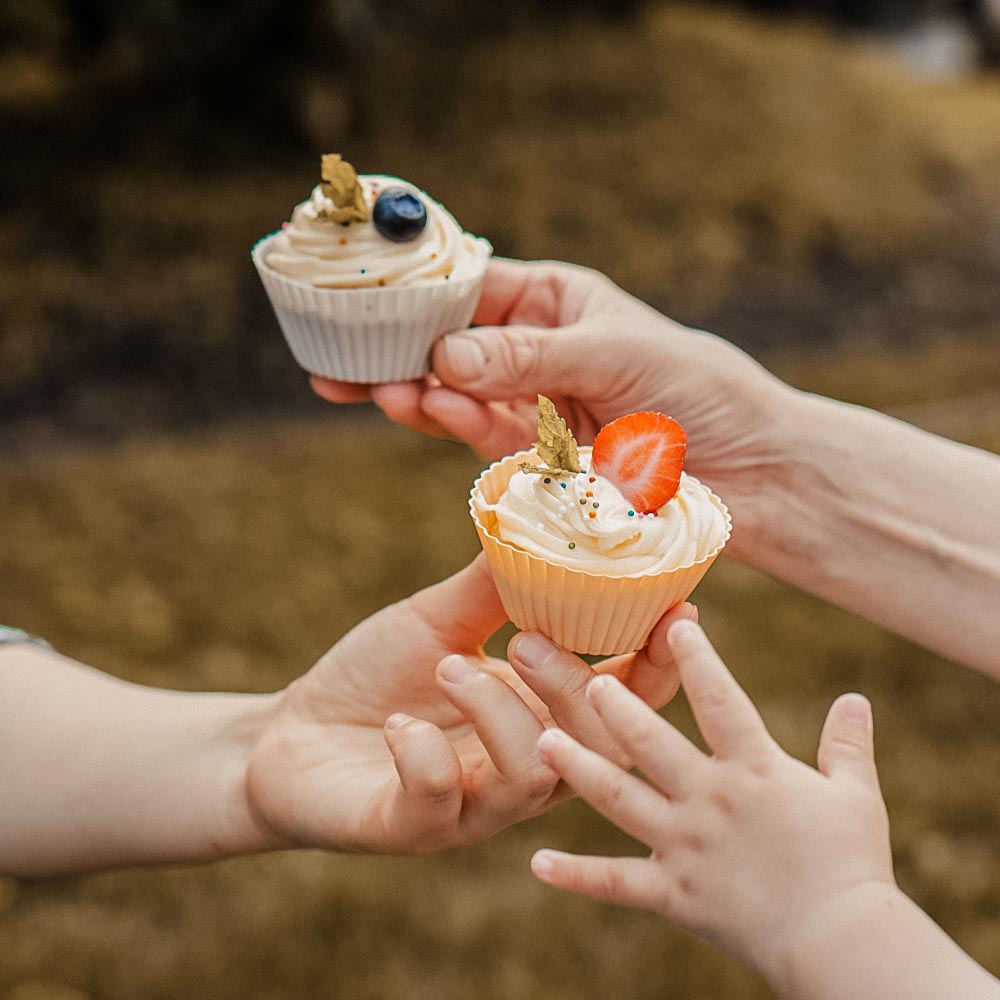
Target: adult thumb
<point>846,745</point>
<point>465,607</point>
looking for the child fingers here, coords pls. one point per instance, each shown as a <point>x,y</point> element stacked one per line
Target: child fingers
<point>630,881</point>
<point>651,672</point>
<point>846,745</point>
<point>506,727</point>
<point>624,799</point>
<point>726,716</point>
<point>429,795</point>
<point>668,759</point>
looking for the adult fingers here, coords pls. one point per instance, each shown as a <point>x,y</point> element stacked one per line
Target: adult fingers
<point>509,732</point>
<point>560,679</point>
<point>490,429</point>
<point>340,392</point>
<point>726,716</point>
<point>670,761</point>
<point>624,799</point>
<point>846,745</point>
<point>428,799</point>
<point>402,403</point>
<point>629,881</point>
<point>462,611</point>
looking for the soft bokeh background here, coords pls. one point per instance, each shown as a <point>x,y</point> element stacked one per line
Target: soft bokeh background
<point>818,182</point>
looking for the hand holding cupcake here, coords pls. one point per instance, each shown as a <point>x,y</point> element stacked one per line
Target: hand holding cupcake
<point>367,274</point>
<point>593,546</point>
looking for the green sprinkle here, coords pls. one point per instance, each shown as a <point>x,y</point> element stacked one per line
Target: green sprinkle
<point>631,513</point>
<point>572,545</point>
<point>596,505</point>
<point>583,502</point>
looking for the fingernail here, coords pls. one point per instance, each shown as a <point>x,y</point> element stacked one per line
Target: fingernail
<point>601,683</point>
<point>455,669</point>
<point>541,864</point>
<point>681,630</point>
<point>550,738</point>
<point>464,356</point>
<point>531,649</point>
<point>856,708</point>
<point>397,720</point>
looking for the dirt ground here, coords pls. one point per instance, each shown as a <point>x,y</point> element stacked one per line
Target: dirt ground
<point>178,510</point>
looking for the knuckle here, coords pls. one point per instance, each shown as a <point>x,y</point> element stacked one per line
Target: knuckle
<point>437,789</point>
<point>538,784</point>
<point>610,882</point>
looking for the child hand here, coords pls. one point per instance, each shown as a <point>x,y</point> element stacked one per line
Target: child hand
<point>749,846</point>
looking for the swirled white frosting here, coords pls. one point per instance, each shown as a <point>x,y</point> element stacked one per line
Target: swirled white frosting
<point>550,517</point>
<point>314,249</point>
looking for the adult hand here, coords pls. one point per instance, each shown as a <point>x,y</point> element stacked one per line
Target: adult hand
<point>406,738</point>
<point>597,352</point>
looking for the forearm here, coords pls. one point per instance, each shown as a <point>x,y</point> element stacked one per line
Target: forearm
<point>888,521</point>
<point>875,943</point>
<point>98,773</point>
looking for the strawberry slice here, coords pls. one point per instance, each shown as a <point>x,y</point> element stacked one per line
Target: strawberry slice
<point>642,454</point>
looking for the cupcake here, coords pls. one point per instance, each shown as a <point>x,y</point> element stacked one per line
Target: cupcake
<point>591,546</point>
<point>368,273</point>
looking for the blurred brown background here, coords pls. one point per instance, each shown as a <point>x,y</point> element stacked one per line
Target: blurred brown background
<point>820,182</point>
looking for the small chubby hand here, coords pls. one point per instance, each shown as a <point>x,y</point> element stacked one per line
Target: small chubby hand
<point>748,844</point>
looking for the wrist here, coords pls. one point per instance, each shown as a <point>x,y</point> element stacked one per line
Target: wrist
<point>760,475</point>
<point>233,827</point>
<point>832,936</point>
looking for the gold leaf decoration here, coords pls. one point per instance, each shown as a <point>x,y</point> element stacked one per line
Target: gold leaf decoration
<point>556,445</point>
<point>341,185</point>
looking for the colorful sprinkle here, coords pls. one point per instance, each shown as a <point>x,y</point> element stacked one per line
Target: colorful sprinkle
<point>590,493</point>
<point>596,505</point>
<point>546,480</point>
<point>343,240</point>
<point>362,270</point>
<point>563,485</point>
<point>593,514</point>
<point>583,502</point>
<point>592,480</point>
<point>572,545</point>
<point>631,513</point>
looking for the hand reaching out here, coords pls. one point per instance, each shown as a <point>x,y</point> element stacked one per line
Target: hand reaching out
<point>407,738</point>
<point>749,846</point>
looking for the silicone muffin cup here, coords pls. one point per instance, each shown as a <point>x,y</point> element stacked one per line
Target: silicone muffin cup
<point>366,334</point>
<point>585,612</point>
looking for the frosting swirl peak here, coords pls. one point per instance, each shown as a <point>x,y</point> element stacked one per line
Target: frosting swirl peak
<point>583,521</point>
<point>314,248</point>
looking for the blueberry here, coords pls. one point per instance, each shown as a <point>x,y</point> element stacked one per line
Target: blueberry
<point>399,215</point>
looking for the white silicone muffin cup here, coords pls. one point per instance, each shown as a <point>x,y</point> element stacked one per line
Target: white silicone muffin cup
<point>367,334</point>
